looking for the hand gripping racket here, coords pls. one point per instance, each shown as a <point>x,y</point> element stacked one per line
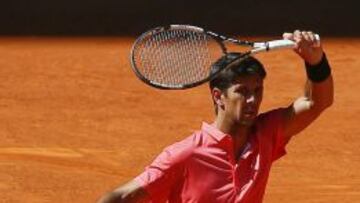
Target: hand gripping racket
<point>181,56</point>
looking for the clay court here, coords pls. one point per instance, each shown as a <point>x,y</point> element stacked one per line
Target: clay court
<point>76,122</point>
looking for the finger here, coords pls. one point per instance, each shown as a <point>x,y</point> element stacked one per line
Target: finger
<point>288,35</point>
<point>311,36</point>
<point>297,32</point>
<point>297,35</point>
<point>315,41</point>
<point>306,36</point>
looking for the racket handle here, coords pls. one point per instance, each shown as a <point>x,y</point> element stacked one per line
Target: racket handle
<point>279,44</point>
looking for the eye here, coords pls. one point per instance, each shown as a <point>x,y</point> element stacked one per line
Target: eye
<point>242,90</point>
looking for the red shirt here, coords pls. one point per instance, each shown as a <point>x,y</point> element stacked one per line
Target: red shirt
<point>202,167</point>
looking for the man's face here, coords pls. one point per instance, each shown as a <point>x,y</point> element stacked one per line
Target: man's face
<point>242,99</point>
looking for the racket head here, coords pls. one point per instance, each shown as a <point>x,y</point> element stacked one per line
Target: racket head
<point>175,56</point>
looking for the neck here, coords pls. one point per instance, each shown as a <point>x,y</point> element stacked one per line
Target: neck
<point>231,128</point>
<point>238,132</point>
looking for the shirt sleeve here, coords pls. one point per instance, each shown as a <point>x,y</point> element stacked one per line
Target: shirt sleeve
<point>274,128</point>
<point>161,175</point>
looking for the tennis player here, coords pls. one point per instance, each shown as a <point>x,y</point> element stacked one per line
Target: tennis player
<point>229,160</point>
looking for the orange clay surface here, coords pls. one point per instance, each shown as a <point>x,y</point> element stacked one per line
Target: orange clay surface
<point>75,122</point>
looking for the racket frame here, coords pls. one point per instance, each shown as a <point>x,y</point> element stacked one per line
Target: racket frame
<point>257,47</point>
<point>217,38</point>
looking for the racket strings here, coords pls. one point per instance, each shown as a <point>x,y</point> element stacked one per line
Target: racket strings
<point>175,56</point>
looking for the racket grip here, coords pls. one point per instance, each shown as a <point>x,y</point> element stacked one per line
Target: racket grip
<point>280,44</point>
<point>289,43</point>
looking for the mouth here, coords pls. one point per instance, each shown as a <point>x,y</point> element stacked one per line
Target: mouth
<point>249,112</point>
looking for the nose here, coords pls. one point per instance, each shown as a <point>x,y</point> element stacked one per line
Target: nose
<point>250,99</point>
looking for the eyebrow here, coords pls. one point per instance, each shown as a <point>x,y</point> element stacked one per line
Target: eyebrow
<point>238,86</point>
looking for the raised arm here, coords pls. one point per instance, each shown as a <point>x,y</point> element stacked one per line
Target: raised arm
<point>319,91</point>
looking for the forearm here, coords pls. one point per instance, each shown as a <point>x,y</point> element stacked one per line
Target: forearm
<point>131,192</point>
<point>319,88</point>
<point>110,198</point>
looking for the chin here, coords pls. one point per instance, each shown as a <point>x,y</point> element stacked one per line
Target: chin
<point>246,122</point>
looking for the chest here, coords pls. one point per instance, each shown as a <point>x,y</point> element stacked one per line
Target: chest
<point>222,178</point>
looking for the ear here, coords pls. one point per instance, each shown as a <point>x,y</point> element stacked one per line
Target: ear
<point>217,96</point>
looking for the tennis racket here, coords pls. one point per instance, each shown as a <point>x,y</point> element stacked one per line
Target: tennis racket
<point>181,56</point>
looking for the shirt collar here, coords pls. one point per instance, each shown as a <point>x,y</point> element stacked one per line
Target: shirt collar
<point>220,136</point>
<point>214,132</point>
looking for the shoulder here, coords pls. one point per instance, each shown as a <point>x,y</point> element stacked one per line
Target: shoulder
<point>271,132</point>
<point>180,151</point>
<point>270,124</point>
<point>271,118</point>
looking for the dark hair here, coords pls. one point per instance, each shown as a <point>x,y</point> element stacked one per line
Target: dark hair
<point>246,66</point>
<point>230,69</point>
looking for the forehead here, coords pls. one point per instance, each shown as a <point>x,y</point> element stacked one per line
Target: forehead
<point>248,80</point>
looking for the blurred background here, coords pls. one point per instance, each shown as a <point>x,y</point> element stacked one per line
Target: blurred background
<point>120,17</point>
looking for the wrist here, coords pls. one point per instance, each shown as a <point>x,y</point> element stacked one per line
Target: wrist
<point>318,72</point>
